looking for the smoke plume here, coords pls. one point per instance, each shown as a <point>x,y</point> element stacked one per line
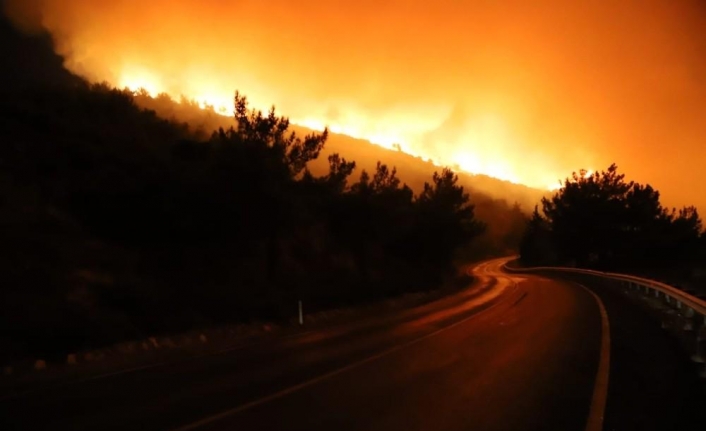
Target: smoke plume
<point>527,91</point>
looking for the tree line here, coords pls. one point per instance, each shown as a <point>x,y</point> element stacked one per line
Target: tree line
<point>604,221</point>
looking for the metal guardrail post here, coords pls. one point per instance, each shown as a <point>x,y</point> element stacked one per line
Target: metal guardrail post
<point>689,320</point>
<point>699,355</point>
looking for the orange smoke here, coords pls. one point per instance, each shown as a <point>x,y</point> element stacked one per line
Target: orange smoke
<point>522,92</point>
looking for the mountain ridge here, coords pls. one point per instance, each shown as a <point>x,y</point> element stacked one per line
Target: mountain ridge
<point>412,170</point>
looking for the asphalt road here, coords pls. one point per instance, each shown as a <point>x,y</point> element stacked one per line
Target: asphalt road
<point>509,353</point>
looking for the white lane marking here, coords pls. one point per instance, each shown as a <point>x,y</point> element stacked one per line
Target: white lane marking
<point>600,388</point>
<point>315,380</point>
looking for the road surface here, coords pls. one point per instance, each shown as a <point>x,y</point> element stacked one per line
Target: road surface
<point>511,352</point>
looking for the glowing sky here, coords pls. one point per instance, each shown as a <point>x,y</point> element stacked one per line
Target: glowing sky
<point>526,91</point>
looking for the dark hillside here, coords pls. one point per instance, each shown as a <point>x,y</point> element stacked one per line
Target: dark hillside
<point>118,223</point>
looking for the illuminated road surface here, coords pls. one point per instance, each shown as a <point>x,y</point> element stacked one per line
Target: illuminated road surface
<point>509,353</point>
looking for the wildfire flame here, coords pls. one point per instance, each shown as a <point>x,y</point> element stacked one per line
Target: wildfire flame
<point>387,135</point>
<point>425,93</point>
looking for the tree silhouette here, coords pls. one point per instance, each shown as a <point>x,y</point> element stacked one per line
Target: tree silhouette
<point>602,220</point>
<point>272,131</point>
<point>339,171</point>
<point>536,246</point>
<point>447,216</point>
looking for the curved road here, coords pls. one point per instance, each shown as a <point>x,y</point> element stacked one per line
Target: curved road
<point>511,352</point>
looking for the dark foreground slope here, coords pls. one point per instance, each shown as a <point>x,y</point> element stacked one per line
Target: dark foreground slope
<point>118,224</point>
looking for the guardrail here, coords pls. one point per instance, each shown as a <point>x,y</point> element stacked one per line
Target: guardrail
<point>689,311</point>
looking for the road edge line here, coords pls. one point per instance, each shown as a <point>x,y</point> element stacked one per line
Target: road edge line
<point>596,413</point>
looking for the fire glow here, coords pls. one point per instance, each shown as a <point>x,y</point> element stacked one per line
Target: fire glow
<point>385,135</point>
<point>523,91</point>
